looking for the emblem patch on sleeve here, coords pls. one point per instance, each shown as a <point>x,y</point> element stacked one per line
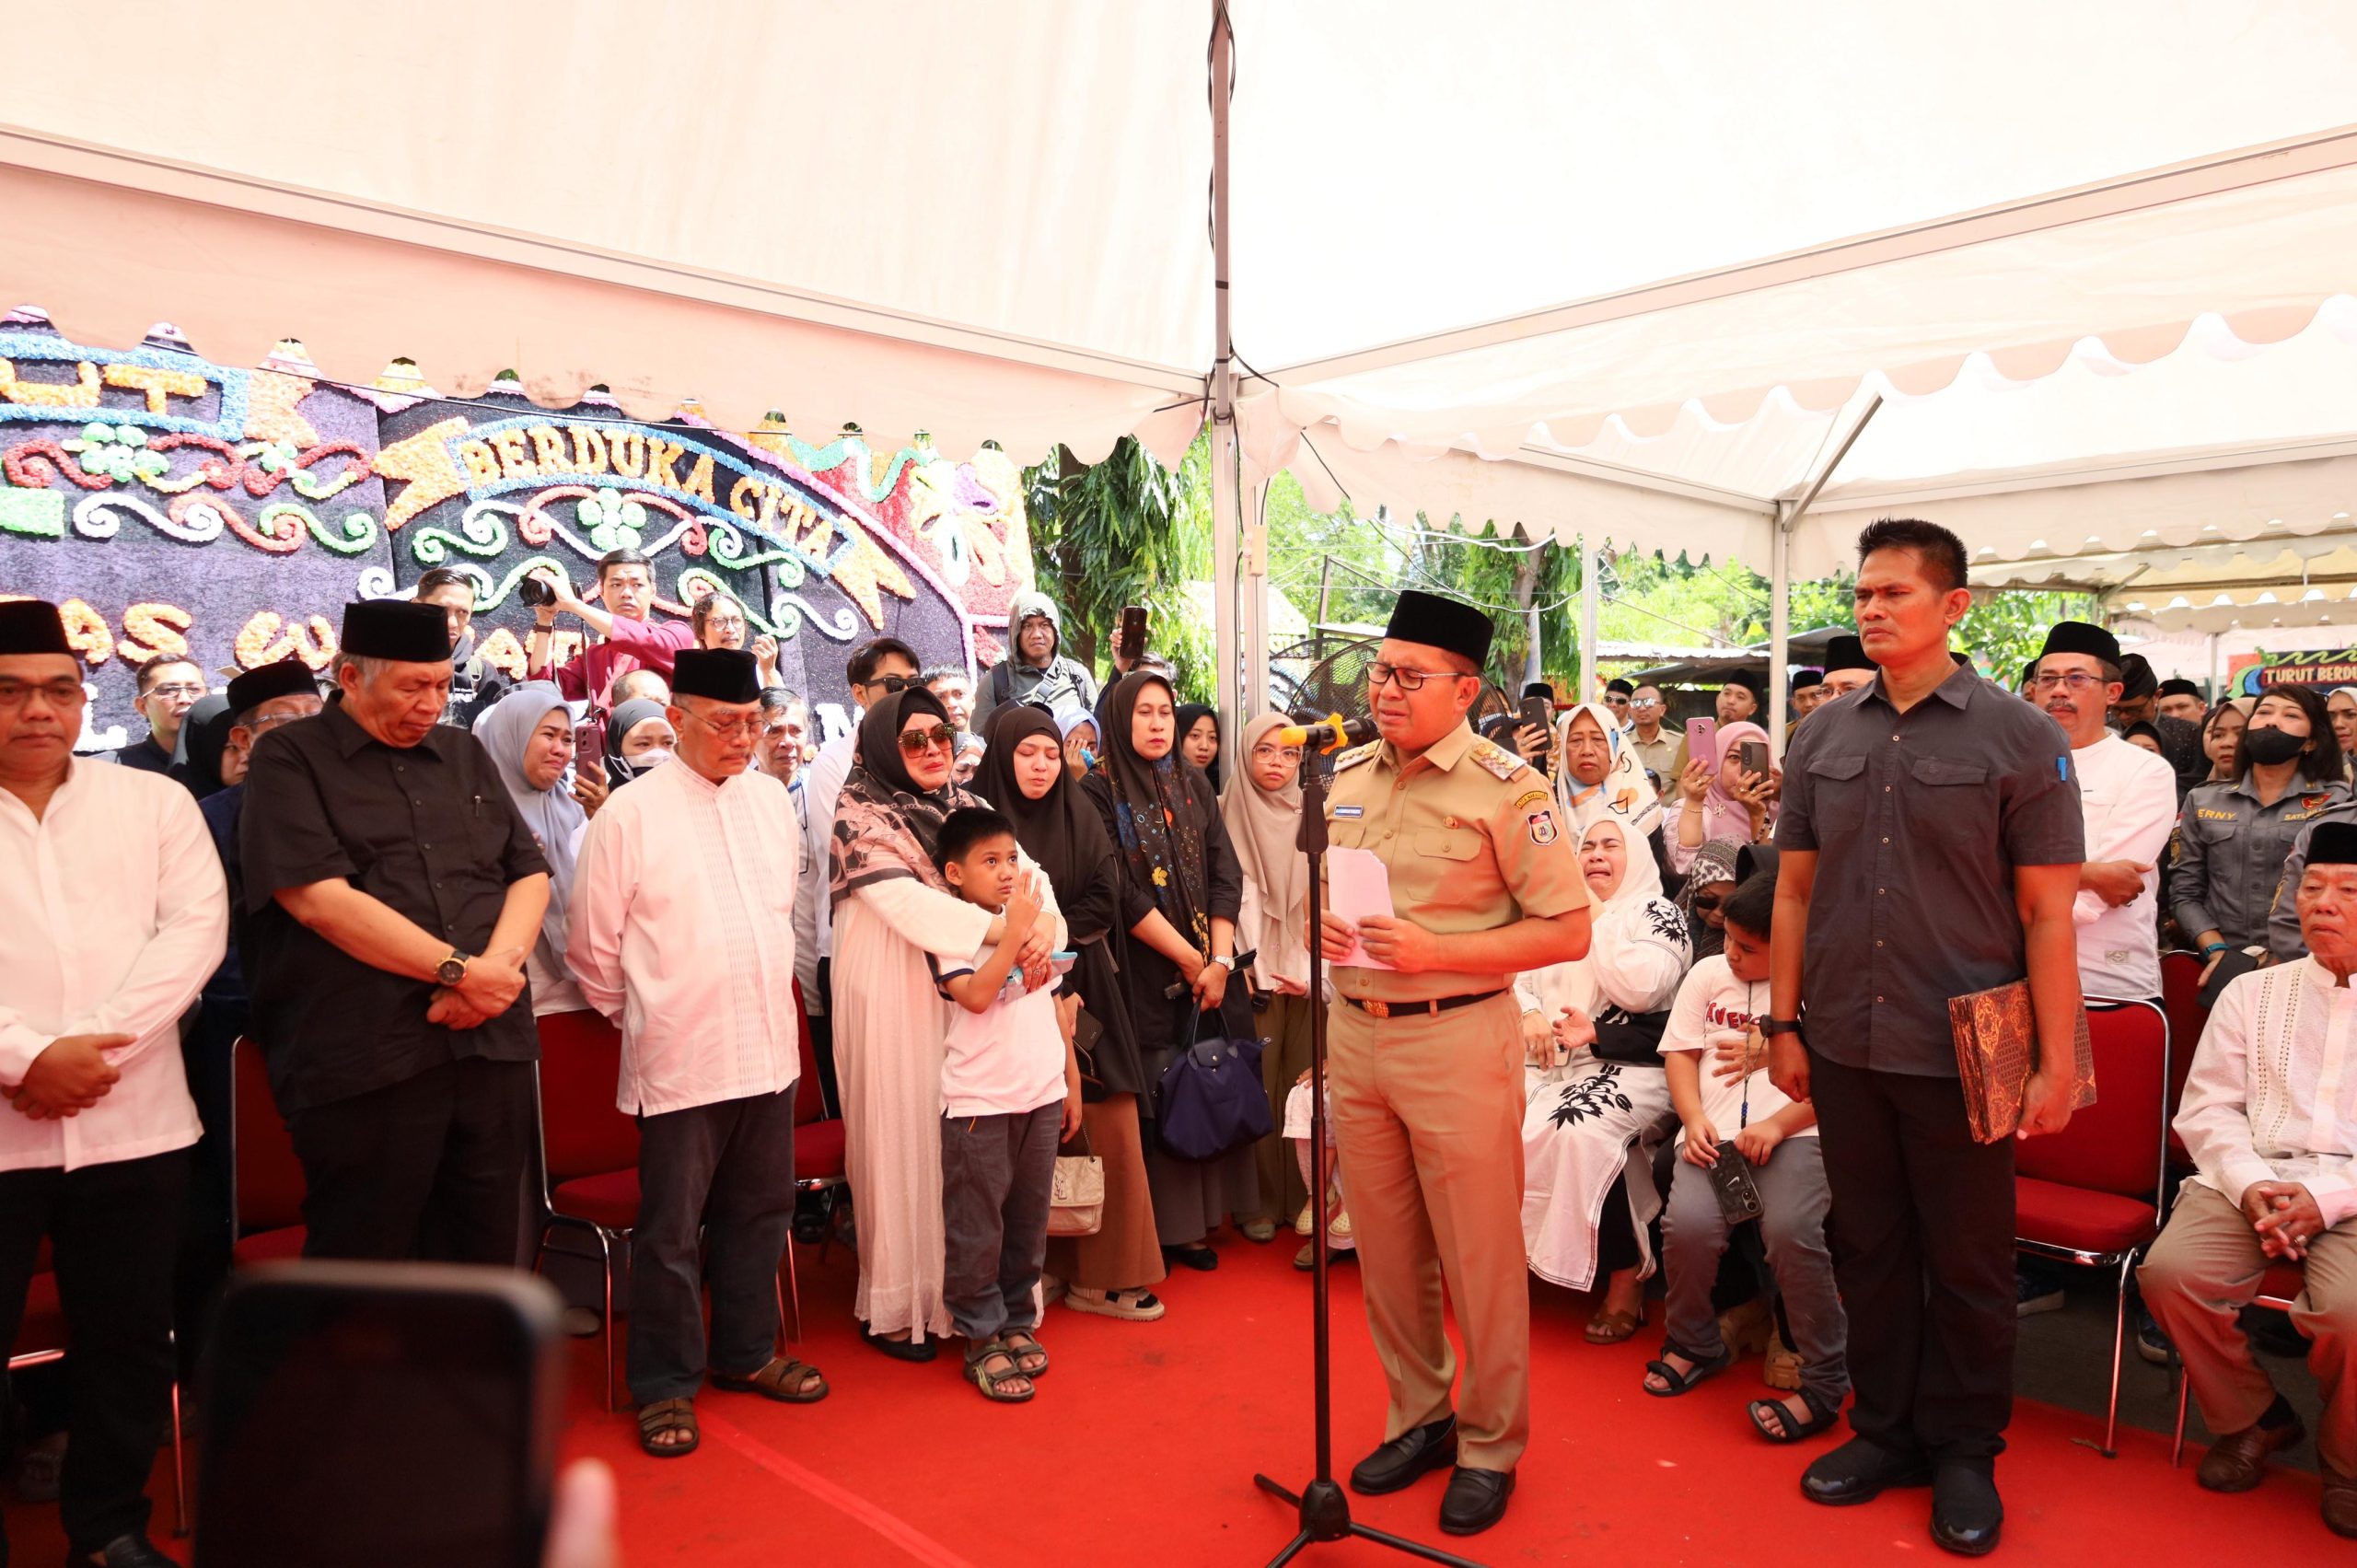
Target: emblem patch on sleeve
<point>1542,827</point>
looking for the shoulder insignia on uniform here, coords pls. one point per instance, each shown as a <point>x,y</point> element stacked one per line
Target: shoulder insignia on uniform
<point>1495,759</point>
<point>1356,755</point>
<point>1532,798</point>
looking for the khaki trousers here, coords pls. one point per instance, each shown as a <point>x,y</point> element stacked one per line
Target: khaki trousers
<point>1428,1122</point>
<point>2205,1268</point>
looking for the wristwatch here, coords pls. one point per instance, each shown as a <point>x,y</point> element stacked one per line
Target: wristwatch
<point>1227,964</point>
<point>1770,1028</point>
<point>453,969</point>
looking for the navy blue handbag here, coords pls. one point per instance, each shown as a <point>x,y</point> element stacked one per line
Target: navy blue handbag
<point>1210,1100</point>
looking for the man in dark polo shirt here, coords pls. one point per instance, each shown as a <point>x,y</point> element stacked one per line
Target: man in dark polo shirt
<point>1930,841</point>
<point>394,892</point>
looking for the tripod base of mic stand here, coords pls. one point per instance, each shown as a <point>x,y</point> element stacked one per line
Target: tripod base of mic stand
<point>1325,1513</point>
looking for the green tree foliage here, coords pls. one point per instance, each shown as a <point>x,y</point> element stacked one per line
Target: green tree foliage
<point>1126,531</point>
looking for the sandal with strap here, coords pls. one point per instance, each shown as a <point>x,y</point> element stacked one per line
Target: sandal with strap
<point>1030,1358</point>
<point>1702,1370</point>
<point>1612,1327</point>
<point>991,1383</point>
<point>781,1378</point>
<point>665,1416</point>
<point>1819,1418</point>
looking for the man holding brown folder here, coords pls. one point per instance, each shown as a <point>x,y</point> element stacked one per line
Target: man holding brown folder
<point>1931,839</point>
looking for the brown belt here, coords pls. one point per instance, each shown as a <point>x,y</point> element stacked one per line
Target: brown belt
<point>1433,1008</point>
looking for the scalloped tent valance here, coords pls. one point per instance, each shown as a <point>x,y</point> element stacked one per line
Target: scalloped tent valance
<point>988,223</point>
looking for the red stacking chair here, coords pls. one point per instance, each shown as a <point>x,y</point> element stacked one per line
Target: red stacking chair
<point>267,1219</point>
<point>2181,994</point>
<point>818,1159</point>
<point>2092,1193</point>
<point>588,1149</point>
<point>40,1339</point>
<point>2283,1282</point>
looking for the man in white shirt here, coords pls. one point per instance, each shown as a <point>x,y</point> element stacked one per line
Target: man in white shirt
<point>680,931</point>
<point>2267,1118</point>
<point>876,669</point>
<point>119,913</point>
<point>2129,795</point>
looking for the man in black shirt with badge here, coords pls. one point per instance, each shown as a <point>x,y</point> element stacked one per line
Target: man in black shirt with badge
<point>1929,848</point>
<point>394,892</point>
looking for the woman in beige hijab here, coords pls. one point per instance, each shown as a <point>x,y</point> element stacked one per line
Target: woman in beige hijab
<point>1263,809</point>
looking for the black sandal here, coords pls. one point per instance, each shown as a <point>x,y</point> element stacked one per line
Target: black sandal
<point>979,1374</point>
<point>901,1350</point>
<point>667,1416</point>
<point>1819,1418</point>
<point>1703,1369</point>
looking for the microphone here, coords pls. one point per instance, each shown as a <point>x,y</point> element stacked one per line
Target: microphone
<point>1332,733</point>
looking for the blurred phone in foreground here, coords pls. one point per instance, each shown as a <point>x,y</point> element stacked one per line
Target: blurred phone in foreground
<point>1535,715</point>
<point>1133,637</point>
<point>1702,742</point>
<point>364,1415</point>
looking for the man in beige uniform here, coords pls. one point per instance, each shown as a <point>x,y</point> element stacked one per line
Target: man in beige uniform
<point>1427,1054</point>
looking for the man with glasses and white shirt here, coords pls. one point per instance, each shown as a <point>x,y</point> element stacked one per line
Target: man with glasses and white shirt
<point>118,915</point>
<point>1657,748</point>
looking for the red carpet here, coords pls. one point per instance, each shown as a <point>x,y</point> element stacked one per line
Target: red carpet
<point>1140,1447</point>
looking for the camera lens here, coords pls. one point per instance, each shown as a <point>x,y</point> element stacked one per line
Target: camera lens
<point>535,592</point>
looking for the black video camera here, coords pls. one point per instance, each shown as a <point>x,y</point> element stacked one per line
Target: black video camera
<point>534,590</point>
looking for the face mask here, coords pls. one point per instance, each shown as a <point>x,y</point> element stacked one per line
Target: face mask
<point>621,770</point>
<point>2270,747</point>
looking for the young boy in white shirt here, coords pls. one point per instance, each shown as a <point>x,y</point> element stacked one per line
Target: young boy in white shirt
<point>1010,1093</point>
<point>1727,1116</point>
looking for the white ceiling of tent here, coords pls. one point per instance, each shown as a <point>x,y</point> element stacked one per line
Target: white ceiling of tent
<point>989,221</point>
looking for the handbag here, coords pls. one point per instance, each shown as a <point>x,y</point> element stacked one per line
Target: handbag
<point>1076,1200</point>
<point>1210,1100</point>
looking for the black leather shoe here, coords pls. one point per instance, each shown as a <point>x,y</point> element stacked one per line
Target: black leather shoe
<point>1399,1463</point>
<point>123,1551</point>
<point>1859,1471</point>
<point>1475,1500</point>
<point>1966,1516</point>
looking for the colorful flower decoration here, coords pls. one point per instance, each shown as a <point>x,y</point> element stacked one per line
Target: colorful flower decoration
<point>613,523</point>
<point>275,456</point>
<point>119,451</point>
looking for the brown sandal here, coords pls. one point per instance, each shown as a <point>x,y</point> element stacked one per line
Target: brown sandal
<point>783,1378</point>
<point>1612,1327</point>
<point>993,1383</point>
<point>1030,1359</point>
<point>665,1416</point>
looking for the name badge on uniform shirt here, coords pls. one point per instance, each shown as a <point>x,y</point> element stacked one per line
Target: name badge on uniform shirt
<point>1350,811</point>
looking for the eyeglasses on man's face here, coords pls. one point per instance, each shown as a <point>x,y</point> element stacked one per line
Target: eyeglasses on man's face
<point>60,693</point>
<point>1646,703</point>
<point>176,689</point>
<point>1409,680</point>
<point>744,726</point>
<point>891,683</point>
<point>2078,680</point>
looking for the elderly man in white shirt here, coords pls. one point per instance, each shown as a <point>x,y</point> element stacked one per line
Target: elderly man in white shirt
<point>118,915</point>
<point>681,932</point>
<point>2269,1116</point>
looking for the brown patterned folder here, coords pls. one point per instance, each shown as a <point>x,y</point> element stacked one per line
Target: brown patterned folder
<point>1996,1049</point>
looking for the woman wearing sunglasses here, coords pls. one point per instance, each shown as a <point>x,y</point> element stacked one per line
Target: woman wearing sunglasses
<point>891,909</point>
<point>1182,891</point>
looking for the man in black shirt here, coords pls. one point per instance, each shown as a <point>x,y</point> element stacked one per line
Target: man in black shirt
<point>394,891</point>
<point>1930,845</point>
<point>169,688</point>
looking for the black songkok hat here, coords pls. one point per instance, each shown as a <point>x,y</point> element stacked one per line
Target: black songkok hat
<point>2178,686</point>
<point>2137,680</point>
<point>1803,680</point>
<point>290,677</point>
<point>725,675</point>
<point>397,629</point>
<point>1750,680</point>
<point>2333,843</point>
<point>1846,653</point>
<point>1438,623</point>
<point>2079,637</point>
<point>32,626</point>
<point>1619,687</point>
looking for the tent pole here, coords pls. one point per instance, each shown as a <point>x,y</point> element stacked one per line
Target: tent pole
<point>1591,617</point>
<point>1780,621</point>
<point>2214,695</point>
<point>1226,500</point>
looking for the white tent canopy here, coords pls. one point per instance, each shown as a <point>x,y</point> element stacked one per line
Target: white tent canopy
<point>1488,230</point>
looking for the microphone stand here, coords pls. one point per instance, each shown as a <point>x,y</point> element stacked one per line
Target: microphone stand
<point>1323,1508</point>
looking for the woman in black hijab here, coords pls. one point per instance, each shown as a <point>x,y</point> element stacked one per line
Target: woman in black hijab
<point>204,737</point>
<point>1023,778</point>
<point>1182,890</point>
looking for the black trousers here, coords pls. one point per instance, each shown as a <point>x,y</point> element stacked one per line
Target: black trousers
<point>203,1265</point>
<point>114,1230</point>
<point>723,1171</point>
<point>822,1040</point>
<point>431,1167</point>
<point>1922,1235</point>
